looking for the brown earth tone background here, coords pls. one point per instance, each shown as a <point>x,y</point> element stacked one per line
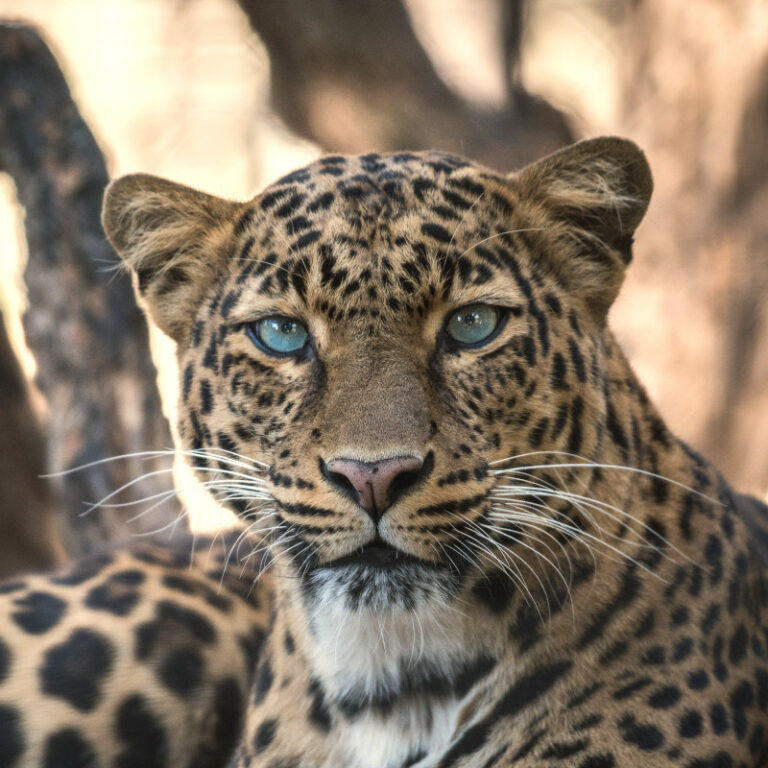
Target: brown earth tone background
<point>227,95</point>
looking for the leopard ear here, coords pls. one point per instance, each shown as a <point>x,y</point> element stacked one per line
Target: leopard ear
<point>171,237</point>
<point>593,195</point>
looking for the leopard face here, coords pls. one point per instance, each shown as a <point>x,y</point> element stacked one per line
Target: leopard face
<point>431,318</point>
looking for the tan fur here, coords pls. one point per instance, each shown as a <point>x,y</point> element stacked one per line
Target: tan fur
<point>94,644</point>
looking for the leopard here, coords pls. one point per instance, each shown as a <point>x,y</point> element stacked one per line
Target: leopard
<point>139,657</point>
<point>484,546</point>
<point>488,549</point>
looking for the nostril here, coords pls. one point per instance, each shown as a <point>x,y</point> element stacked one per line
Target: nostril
<point>404,481</point>
<point>340,481</point>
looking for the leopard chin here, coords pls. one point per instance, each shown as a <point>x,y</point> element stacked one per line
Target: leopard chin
<point>366,586</point>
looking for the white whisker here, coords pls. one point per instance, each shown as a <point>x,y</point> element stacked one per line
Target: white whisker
<point>586,463</point>
<point>501,234</point>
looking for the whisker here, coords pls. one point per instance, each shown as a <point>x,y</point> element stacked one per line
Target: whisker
<point>586,463</point>
<point>90,464</point>
<point>212,454</point>
<point>505,567</point>
<point>501,234</point>
<point>124,487</point>
<point>577,533</point>
<point>136,480</point>
<point>606,509</point>
<point>172,525</point>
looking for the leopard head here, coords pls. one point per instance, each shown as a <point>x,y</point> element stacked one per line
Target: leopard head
<point>369,335</point>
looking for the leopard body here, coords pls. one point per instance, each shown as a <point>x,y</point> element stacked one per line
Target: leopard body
<point>134,658</point>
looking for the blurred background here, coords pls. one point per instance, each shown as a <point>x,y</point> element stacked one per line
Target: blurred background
<point>226,95</point>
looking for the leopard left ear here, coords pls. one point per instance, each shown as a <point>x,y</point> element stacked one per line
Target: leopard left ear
<point>172,237</point>
<point>593,194</point>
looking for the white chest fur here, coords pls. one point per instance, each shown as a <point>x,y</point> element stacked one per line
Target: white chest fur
<point>408,732</point>
<point>390,672</point>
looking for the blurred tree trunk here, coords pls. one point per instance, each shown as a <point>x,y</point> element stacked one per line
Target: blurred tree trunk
<point>29,539</point>
<point>83,326</point>
<point>353,77</point>
<point>739,424</point>
<point>695,96</point>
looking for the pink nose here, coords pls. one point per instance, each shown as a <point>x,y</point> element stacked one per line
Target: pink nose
<point>375,484</point>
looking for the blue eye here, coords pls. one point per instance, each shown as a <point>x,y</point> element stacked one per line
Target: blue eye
<point>474,324</point>
<point>278,335</point>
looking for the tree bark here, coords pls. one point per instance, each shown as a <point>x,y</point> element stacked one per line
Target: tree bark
<point>83,326</point>
<point>353,77</point>
<point>29,539</point>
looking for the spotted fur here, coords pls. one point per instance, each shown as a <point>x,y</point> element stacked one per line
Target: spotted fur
<point>557,580</point>
<point>137,658</point>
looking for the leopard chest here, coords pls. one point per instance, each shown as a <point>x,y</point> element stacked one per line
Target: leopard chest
<point>402,736</point>
<point>398,684</point>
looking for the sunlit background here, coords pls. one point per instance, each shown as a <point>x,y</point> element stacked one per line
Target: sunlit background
<point>180,88</point>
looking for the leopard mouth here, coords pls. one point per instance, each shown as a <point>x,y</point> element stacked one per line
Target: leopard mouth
<point>379,576</point>
<point>379,555</point>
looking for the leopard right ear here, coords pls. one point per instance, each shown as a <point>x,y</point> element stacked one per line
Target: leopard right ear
<point>593,195</point>
<point>173,239</point>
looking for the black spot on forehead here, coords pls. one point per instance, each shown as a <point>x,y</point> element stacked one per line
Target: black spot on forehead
<point>295,177</point>
<point>384,235</point>
<point>366,184</point>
